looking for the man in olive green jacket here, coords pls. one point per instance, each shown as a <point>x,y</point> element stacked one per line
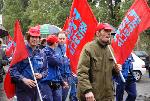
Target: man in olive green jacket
<point>95,67</point>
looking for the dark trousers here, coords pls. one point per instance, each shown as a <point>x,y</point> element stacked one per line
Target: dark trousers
<point>51,94</point>
<point>72,81</point>
<point>129,87</point>
<point>64,93</point>
<point>73,93</point>
<point>65,90</point>
<point>27,94</point>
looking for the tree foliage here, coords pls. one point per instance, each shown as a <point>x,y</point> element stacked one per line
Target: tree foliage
<point>12,10</point>
<point>47,11</point>
<point>1,6</point>
<point>33,12</point>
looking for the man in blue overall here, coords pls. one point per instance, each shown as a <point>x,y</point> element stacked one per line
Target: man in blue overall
<point>52,84</point>
<point>65,68</point>
<point>21,73</point>
<point>130,85</point>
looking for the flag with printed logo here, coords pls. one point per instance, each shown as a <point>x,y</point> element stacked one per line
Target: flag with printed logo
<point>136,20</point>
<point>81,26</point>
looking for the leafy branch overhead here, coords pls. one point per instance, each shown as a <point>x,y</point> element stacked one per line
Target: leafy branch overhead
<point>33,12</point>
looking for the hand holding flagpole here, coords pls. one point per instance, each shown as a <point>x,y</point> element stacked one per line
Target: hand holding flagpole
<point>35,79</point>
<point>122,78</point>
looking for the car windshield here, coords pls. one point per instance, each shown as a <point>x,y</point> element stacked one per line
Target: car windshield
<point>140,53</point>
<point>4,46</point>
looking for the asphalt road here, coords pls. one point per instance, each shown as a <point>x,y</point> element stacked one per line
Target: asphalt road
<point>143,90</point>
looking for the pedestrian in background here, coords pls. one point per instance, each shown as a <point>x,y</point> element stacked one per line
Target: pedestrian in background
<point>95,67</point>
<point>65,67</point>
<point>43,43</point>
<point>3,61</point>
<point>130,85</point>
<point>21,73</point>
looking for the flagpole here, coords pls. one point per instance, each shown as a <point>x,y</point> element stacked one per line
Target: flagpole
<point>120,73</point>
<point>68,95</point>
<point>35,79</point>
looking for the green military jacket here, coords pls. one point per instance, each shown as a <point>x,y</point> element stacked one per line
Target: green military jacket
<point>95,71</point>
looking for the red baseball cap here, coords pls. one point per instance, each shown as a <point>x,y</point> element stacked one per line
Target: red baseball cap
<point>52,39</point>
<point>101,26</point>
<point>34,31</point>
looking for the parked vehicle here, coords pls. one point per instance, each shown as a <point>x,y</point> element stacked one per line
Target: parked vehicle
<point>144,56</point>
<point>138,67</point>
<point>4,46</point>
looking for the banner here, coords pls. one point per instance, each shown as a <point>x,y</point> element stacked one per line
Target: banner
<point>135,21</point>
<point>81,29</point>
<point>20,53</point>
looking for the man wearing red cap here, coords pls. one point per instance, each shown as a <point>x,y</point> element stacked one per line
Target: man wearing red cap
<point>52,84</point>
<point>95,67</point>
<point>21,73</point>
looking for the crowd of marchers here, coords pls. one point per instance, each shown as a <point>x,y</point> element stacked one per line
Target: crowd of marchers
<point>55,79</point>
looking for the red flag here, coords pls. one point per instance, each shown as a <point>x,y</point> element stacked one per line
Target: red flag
<point>135,21</point>
<point>81,28</point>
<point>10,47</point>
<point>20,53</point>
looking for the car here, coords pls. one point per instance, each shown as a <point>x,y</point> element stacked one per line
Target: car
<point>144,56</point>
<point>138,67</point>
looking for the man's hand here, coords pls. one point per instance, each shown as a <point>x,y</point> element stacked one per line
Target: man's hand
<point>65,85</point>
<point>38,75</point>
<point>29,82</point>
<point>118,67</point>
<point>89,96</point>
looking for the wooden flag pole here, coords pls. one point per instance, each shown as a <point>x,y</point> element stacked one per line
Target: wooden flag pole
<point>120,73</point>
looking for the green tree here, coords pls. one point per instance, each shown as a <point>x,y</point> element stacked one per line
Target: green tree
<point>33,12</point>
<point>106,10</point>
<point>25,4</point>
<point>48,11</point>
<point>12,10</point>
<point>1,6</point>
